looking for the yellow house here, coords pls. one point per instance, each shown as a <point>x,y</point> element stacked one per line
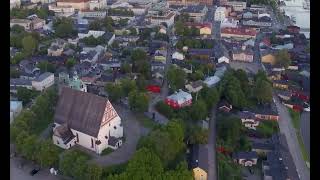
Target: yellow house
<point>205,31</point>
<point>199,162</point>
<point>268,58</point>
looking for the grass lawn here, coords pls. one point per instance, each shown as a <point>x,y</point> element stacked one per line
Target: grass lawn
<point>145,121</point>
<point>106,151</point>
<point>303,149</point>
<point>295,118</point>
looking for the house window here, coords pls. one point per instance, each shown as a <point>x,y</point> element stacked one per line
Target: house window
<point>114,127</point>
<point>58,142</point>
<point>91,143</point>
<point>77,137</point>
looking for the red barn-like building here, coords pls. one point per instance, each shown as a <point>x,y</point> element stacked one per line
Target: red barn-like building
<point>179,99</point>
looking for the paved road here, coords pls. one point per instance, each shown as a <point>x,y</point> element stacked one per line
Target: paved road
<point>287,129</point>
<point>23,174</point>
<point>133,131</point>
<point>305,130</point>
<point>212,172</point>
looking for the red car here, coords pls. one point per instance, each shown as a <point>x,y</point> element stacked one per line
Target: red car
<point>153,88</point>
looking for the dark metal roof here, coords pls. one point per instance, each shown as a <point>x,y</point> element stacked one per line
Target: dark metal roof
<point>43,76</point>
<point>245,155</point>
<point>81,111</point>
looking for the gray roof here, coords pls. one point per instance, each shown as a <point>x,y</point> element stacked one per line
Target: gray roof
<point>64,133</point>
<point>18,81</point>
<point>194,9</point>
<point>113,141</point>
<point>245,155</point>
<point>199,157</point>
<point>81,111</point>
<point>246,115</point>
<point>43,76</point>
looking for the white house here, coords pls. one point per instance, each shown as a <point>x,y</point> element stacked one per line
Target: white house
<point>178,56</point>
<point>211,81</point>
<point>87,120</point>
<point>15,4</point>
<point>95,34</point>
<point>65,11</point>
<point>220,14</point>
<point>43,81</point>
<point>223,59</point>
<point>97,4</point>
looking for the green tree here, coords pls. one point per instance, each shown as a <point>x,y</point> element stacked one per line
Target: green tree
<point>45,66</point>
<point>244,144</point>
<point>243,79</point>
<point>138,101</point>
<point>176,78</point>
<point>197,75</point>
<point>123,22</point>
<point>133,31</point>
<point>17,29</point>
<point>199,106</point>
<point>96,25</point>
<point>141,83</point>
<point>166,142</point>
<point>70,62</point>
<point>114,91</point>
<point>29,44</point>
<point>199,136</point>
<point>227,168</point>
<point>164,109</point>
<point>28,146</point>
<point>179,28</point>
<point>140,62</point>
<point>74,164</point>
<point>210,96</point>
<point>64,27</point>
<point>283,58</point>
<point>125,67</point>
<point>262,91</point>
<point>128,86</point>
<point>48,154</point>
<point>229,130</point>
<point>94,172</point>
<point>25,95</point>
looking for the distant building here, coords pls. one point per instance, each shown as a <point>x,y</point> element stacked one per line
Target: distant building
<point>190,2</point>
<point>245,54</point>
<point>238,33</point>
<point>220,14</point>
<point>245,158</point>
<point>237,5</point>
<point>76,4</point>
<point>166,17</point>
<point>197,13</point>
<point>73,83</point>
<point>43,81</point>
<point>65,11</point>
<point>25,23</point>
<point>15,4</point>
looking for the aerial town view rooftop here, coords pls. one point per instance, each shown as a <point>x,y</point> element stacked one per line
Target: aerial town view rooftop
<point>160,89</point>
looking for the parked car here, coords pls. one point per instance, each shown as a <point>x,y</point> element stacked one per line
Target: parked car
<point>34,171</point>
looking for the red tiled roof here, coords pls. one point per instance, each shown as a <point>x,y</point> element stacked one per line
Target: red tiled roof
<point>239,31</point>
<point>73,1</point>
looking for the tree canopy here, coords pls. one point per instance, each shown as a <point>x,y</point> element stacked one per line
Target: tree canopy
<point>283,58</point>
<point>138,101</point>
<point>29,44</point>
<point>176,77</point>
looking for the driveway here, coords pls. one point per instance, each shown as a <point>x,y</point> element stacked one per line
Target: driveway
<point>17,174</point>
<point>132,131</point>
<point>287,129</point>
<point>212,172</point>
<point>305,130</point>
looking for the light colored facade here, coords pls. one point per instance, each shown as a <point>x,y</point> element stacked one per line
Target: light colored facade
<point>223,59</point>
<point>167,18</point>
<point>250,123</point>
<point>257,23</point>
<point>237,5</point>
<point>95,34</point>
<point>220,14</point>
<point>44,81</point>
<point>190,2</point>
<point>15,4</point>
<point>242,56</point>
<point>105,130</point>
<point>238,33</point>
<point>38,23</point>
<point>62,10</point>
<point>76,4</point>
<point>26,23</point>
<point>92,14</point>
<point>179,99</point>
<point>97,4</point>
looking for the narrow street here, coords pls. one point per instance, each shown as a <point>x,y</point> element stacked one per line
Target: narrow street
<point>305,130</point>
<point>288,130</point>
<point>212,174</point>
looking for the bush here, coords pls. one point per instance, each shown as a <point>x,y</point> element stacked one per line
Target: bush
<point>106,151</point>
<point>164,109</point>
<point>267,128</point>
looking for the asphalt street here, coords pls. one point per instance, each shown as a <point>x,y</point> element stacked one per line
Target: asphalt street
<point>305,130</point>
<point>212,172</point>
<point>288,130</point>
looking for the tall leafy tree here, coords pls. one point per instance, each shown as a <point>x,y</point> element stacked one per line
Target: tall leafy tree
<point>283,58</point>
<point>114,91</point>
<point>176,77</point>
<point>262,91</point>
<point>29,44</point>
<point>138,101</point>
<point>199,110</point>
<point>48,154</point>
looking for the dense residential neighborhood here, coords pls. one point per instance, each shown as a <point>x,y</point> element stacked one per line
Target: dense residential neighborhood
<point>159,89</point>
